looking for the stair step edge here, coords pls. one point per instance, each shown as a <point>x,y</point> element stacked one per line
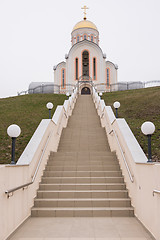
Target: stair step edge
<point>83,208</point>
<point>81,199</point>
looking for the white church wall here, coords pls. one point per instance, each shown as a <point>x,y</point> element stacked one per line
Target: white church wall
<point>113,72</point>
<point>58,73</point>
<point>76,52</point>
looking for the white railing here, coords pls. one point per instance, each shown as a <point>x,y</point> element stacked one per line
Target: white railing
<point>12,190</point>
<point>124,159</point>
<point>156,191</point>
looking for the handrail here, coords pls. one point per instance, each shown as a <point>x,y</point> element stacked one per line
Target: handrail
<point>35,173</point>
<point>156,191</point>
<point>126,164</point>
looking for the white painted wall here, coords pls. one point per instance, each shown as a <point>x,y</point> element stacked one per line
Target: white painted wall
<point>94,51</point>
<point>146,176</point>
<point>15,209</point>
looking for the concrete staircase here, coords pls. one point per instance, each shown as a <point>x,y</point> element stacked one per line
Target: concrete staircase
<point>82,179</point>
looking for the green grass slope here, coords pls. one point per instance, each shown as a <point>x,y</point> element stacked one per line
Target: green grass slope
<point>26,111</point>
<point>138,106</point>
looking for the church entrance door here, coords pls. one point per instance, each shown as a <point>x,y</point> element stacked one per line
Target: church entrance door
<point>85,90</point>
<point>85,63</point>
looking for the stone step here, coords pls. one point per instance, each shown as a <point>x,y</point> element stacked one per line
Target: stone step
<point>83,186</point>
<point>81,163</point>
<point>83,140</point>
<point>83,202</point>
<point>89,140</point>
<point>94,129</point>
<point>83,212</point>
<point>82,180</point>
<point>83,168</point>
<point>83,194</point>
<point>82,174</point>
<point>82,154</point>
<point>83,148</point>
<point>82,158</point>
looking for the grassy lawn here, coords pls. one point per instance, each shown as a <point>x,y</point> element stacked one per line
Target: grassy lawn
<point>138,106</point>
<point>26,111</point>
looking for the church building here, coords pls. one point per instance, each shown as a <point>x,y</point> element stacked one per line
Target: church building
<point>85,64</point>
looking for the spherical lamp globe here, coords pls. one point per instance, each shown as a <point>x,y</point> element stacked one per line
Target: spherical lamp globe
<point>13,131</point>
<point>116,104</point>
<point>148,128</point>
<point>49,105</point>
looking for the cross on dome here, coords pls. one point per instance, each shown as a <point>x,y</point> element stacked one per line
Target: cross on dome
<point>85,8</point>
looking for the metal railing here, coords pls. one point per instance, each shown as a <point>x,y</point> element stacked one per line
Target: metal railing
<point>123,86</point>
<point>124,159</point>
<point>156,191</point>
<point>101,87</point>
<point>49,88</point>
<point>35,173</point>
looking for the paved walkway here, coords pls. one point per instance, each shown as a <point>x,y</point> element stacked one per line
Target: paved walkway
<point>98,228</point>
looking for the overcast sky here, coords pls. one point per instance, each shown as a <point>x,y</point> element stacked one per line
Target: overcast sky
<point>35,35</point>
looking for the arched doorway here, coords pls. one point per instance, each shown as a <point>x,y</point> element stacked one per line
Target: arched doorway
<point>85,90</point>
<point>85,63</point>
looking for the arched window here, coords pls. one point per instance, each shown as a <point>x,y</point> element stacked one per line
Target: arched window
<point>76,69</point>
<point>91,38</point>
<point>77,38</point>
<point>63,78</point>
<point>94,69</point>
<point>108,77</point>
<point>85,37</point>
<point>85,63</point>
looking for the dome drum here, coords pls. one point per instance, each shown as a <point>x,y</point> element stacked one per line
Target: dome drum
<point>85,34</point>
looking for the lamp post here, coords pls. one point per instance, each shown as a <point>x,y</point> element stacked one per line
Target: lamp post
<point>13,131</point>
<point>73,89</point>
<point>148,129</point>
<point>42,85</point>
<point>116,105</point>
<point>67,94</point>
<point>49,105</point>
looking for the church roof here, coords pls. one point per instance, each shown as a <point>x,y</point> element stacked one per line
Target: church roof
<point>85,24</point>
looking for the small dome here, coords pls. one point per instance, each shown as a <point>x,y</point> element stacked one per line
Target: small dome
<point>85,24</point>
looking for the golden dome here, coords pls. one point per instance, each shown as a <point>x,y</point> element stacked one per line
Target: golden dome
<point>85,24</point>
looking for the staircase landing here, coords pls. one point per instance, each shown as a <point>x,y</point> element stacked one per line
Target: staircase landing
<point>99,228</point>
